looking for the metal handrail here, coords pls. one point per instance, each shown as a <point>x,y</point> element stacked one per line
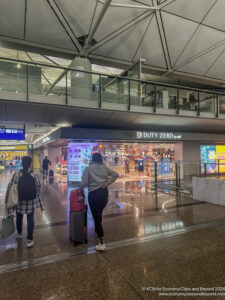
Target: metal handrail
<point>113,76</point>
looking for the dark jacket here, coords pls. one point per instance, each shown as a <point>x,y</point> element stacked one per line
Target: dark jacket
<point>46,164</point>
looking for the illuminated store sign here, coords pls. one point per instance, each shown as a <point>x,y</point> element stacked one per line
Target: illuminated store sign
<point>13,148</point>
<point>45,140</point>
<point>151,135</point>
<point>78,156</point>
<point>12,134</point>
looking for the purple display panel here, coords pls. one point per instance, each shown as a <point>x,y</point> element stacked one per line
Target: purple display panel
<point>78,156</point>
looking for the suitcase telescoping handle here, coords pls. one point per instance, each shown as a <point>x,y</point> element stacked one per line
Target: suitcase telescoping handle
<point>80,195</point>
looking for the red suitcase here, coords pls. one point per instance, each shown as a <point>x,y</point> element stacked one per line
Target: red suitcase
<point>77,200</point>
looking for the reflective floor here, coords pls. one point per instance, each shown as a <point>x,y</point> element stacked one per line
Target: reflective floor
<point>193,260</point>
<point>135,209</point>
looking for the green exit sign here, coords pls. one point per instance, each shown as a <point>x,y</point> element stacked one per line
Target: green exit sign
<point>30,147</point>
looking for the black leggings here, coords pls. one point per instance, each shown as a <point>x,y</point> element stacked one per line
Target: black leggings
<point>30,224</point>
<point>97,202</point>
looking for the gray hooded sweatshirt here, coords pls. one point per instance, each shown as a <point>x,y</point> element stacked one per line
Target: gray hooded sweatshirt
<point>97,175</point>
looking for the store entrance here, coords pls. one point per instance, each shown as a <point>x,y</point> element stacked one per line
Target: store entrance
<point>11,156</point>
<point>136,160</point>
<point>133,161</point>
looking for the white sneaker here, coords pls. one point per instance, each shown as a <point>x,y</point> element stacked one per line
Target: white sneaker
<point>30,243</point>
<point>19,235</point>
<point>100,247</point>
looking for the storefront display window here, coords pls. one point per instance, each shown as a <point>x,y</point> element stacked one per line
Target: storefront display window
<point>128,159</point>
<point>211,155</point>
<point>11,159</point>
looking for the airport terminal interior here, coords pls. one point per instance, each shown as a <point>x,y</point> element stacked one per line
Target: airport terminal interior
<point>112,117</point>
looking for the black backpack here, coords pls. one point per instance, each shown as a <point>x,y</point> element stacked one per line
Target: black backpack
<point>26,187</point>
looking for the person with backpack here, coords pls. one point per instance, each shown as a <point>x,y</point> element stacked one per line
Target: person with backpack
<point>29,186</point>
<point>97,177</point>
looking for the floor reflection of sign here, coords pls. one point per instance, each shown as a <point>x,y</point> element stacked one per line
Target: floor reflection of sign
<point>78,156</point>
<point>165,166</point>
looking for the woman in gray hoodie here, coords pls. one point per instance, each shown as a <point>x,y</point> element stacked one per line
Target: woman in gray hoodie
<point>97,177</point>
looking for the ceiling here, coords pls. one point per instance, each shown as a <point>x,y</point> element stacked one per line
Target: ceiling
<point>42,118</point>
<point>173,36</point>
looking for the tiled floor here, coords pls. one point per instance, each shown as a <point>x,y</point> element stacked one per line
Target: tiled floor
<point>192,260</point>
<point>134,210</point>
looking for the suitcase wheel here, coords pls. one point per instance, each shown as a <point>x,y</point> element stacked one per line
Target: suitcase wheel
<point>76,243</point>
<point>86,241</point>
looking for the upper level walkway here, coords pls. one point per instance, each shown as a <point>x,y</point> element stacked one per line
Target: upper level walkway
<point>41,83</point>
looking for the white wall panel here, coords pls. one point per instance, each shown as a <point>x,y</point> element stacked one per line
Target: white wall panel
<point>178,31</point>
<point>115,18</point>
<point>218,69</point>
<point>44,27</point>
<point>12,18</point>
<point>151,47</point>
<point>204,38</point>
<point>202,64</point>
<point>215,18</point>
<point>79,13</point>
<point>191,9</point>
<point>125,44</point>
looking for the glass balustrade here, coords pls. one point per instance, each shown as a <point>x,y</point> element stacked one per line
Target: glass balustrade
<point>114,90</point>
<point>221,100</point>
<point>166,97</point>
<point>147,94</point>
<point>13,77</point>
<point>36,81</point>
<point>188,100</point>
<point>207,102</point>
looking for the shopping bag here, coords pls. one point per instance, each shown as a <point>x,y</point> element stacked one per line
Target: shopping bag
<point>8,226</point>
<point>13,196</point>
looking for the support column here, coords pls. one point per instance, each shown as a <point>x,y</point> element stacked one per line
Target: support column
<point>81,83</point>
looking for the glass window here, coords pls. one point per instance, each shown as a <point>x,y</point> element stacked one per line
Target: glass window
<point>207,102</point>
<point>188,100</point>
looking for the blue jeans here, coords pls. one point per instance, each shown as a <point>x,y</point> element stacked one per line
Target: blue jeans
<point>30,224</point>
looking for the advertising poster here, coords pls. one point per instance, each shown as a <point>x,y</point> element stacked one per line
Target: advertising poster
<point>220,155</point>
<point>209,155</point>
<point>165,166</point>
<point>79,155</point>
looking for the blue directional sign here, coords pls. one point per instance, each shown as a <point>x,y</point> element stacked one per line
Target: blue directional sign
<point>12,134</point>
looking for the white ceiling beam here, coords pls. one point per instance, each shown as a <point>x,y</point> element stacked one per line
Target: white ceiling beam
<point>199,55</point>
<point>97,23</point>
<point>120,30</point>
<point>121,5</point>
<point>162,35</point>
<point>50,59</point>
<point>165,3</point>
<point>37,47</point>
<point>65,25</point>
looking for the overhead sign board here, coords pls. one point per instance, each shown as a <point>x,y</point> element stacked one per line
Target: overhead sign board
<point>13,148</point>
<point>152,135</point>
<point>12,134</point>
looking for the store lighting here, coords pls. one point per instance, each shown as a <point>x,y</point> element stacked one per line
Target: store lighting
<point>18,66</point>
<point>45,135</point>
<point>64,125</point>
